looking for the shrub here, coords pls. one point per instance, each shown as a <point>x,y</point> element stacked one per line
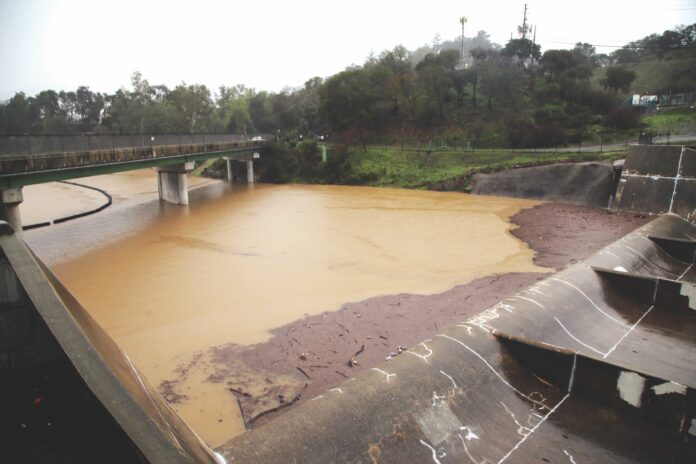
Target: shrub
<point>622,118</point>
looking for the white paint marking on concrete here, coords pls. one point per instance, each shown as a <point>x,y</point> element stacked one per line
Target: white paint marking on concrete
<point>607,252</point>
<point>467,327</point>
<point>493,370</point>
<point>669,387</point>
<point>605,356</point>
<point>656,177</point>
<point>521,429</point>
<point>468,453</point>
<point>571,381</point>
<point>570,456</point>
<point>454,384</point>
<point>519,443</point>
<point>470,435</point>
<point>649,261</point>
<point>425,356</point>
<point>630,386</point>
<point>589,299</point>
<point>219,458</point>
<point>438,401</point>
<point>530,300</point>
<point>389,376</point>
<point>533,419</point>
<point>676,179</point>
<point>577,339</point>
<point>535,291</point>
<point>480,320</point>
<point>434,451</point>
<point>685,271</point>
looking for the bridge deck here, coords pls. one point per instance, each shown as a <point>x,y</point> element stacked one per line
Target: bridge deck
<point>17,171</point>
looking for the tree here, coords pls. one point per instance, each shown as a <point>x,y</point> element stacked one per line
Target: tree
<point>436,73</point>
<point>618,78</point>
<point>192,103</point>
<point>347,102</point>
<point>19,115</point>
<point>48,103</point>
<point>556,62</point>
<point>141,97</point>
<point>501,81</point>
<point>479,55</point>
<point>261,112</point>
<point>586,54</point>
<point>522,50</point>
<point>53,117</point>
<point>88,108</point>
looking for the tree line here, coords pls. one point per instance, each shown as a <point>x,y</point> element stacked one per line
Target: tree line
<point>507,96</point>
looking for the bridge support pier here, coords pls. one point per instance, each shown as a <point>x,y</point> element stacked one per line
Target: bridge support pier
<point>230,174</point>
<point>9,209</point>
<point>250,172</point>
<point>171,183</point>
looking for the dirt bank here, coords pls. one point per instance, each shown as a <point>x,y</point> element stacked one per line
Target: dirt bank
<point>317,350</point>
<point>561,234</point>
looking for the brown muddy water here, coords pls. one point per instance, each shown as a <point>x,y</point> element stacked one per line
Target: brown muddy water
<point>169,282</point>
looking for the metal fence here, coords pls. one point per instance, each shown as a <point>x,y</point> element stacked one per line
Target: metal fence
<point>23,145</point>
<point>597,145</point>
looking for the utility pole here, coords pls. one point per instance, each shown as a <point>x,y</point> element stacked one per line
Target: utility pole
<point>524,23</point>
<point>463,20</point>
<point>533,43</point>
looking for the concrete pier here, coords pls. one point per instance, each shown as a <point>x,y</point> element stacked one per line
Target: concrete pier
<point>9,211</point>
<point>171,183</point>
<point>250,171</point>
<point>230,173</point>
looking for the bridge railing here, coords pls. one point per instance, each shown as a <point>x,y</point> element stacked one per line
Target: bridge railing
<point>30,145</point>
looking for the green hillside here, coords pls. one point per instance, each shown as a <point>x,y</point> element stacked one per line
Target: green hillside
<point>675,72</point>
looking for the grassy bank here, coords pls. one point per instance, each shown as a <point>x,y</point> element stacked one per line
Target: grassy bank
<point>673,120</point>
<point>394,167</point>
<point>391,167</point>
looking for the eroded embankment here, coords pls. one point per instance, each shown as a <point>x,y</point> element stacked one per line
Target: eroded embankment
<point>314,354</point>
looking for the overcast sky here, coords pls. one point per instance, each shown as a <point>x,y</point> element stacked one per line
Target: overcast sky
<point>268,45</point>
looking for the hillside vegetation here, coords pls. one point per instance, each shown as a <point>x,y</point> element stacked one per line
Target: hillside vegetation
<point>494,96</point>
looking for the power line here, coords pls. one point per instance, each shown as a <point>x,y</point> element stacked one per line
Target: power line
<point>618,46</point>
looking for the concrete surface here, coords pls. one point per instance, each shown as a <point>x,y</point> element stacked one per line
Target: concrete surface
<point>578,183</point>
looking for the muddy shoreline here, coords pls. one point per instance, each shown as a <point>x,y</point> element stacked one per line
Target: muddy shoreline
<point>317,351</point>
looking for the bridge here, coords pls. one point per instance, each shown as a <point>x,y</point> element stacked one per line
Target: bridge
<point>27,160</point>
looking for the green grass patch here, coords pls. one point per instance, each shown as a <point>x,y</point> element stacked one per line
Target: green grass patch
<point>392,167</point>
<point>674,120</point>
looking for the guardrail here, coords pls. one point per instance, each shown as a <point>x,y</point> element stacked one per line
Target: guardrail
<point>27,145</point>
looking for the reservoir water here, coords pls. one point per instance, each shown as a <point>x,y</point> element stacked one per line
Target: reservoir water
<point>167,282</point>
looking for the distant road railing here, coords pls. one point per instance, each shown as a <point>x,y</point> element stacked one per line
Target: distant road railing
<point>28,145</point>
<point>587,147</point>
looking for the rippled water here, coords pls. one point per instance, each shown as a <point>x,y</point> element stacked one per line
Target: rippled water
<point>167,281</point>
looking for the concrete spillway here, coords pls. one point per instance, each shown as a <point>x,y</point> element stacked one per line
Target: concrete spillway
<point>53,351</point>
<point>593,364</point>
<point>658,180</point>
